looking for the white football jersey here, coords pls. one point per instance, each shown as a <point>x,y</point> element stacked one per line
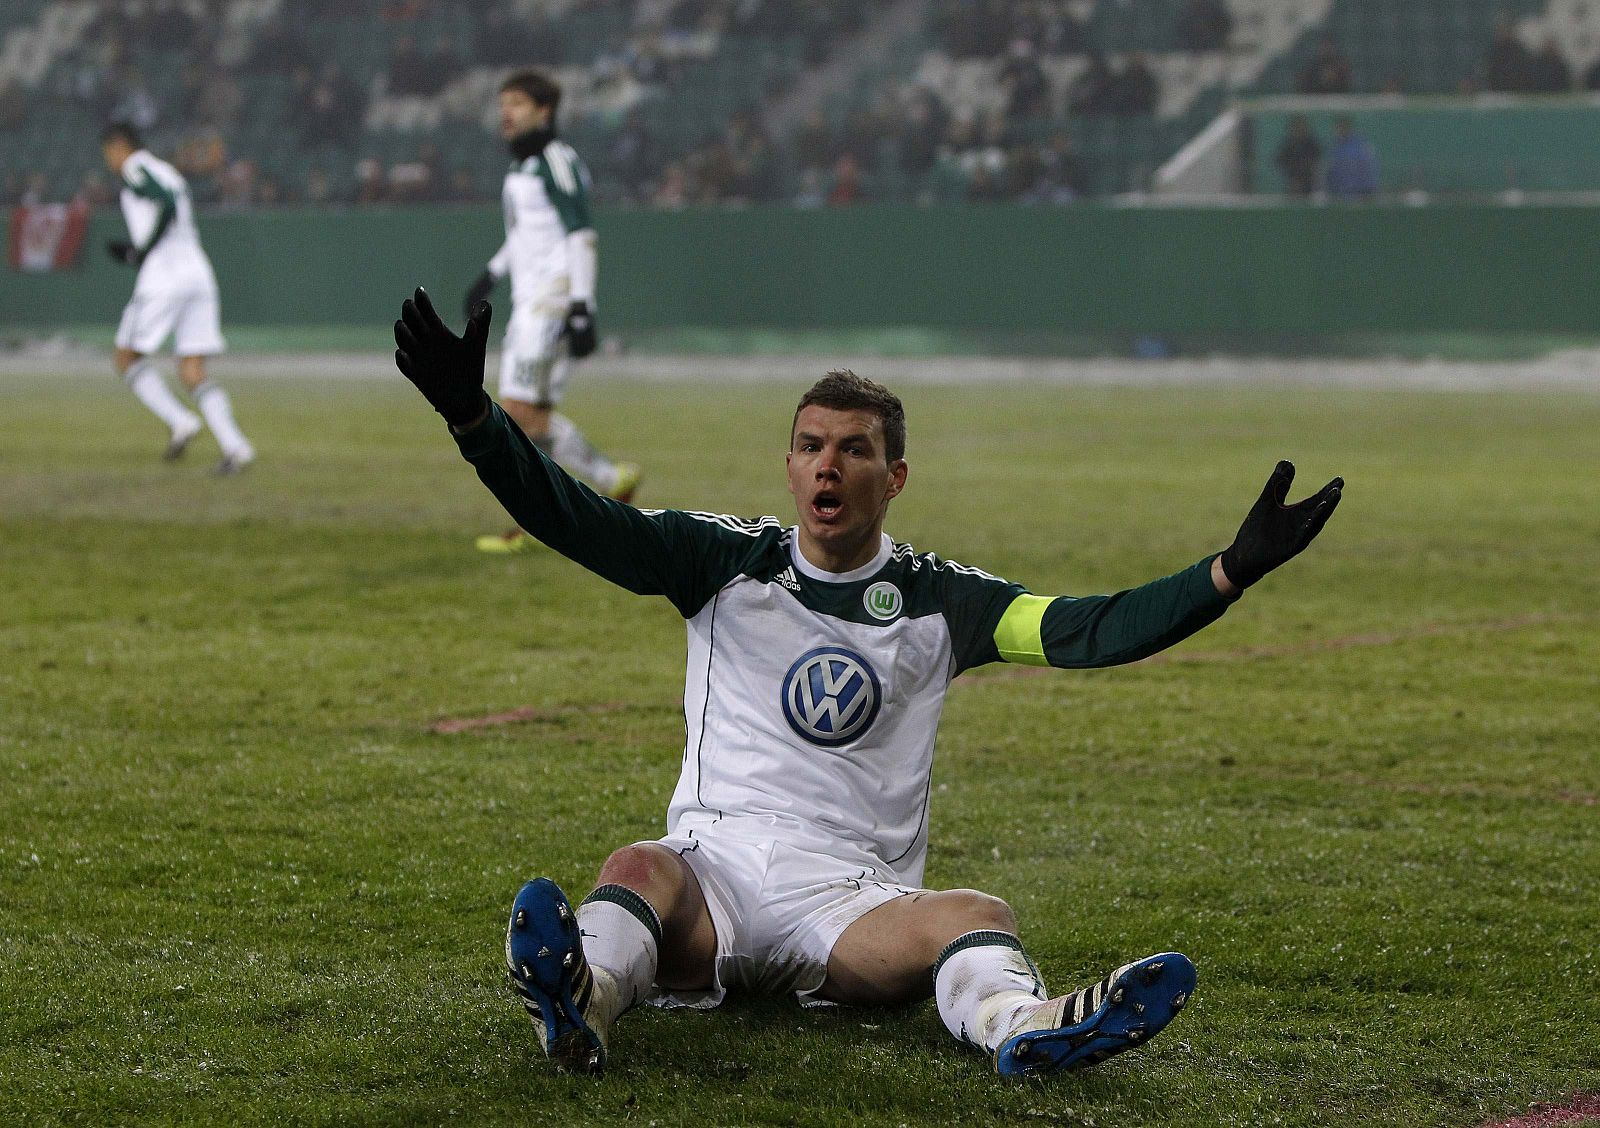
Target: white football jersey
<point>152,190</point>
<point>812,699</point>
<point>545,198</point>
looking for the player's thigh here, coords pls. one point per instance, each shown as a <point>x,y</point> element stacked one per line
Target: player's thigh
<point>197,326</point>
<point>887,955</point>
<point>659,874</point>
<point>533,358</point>
<point>147,321</point>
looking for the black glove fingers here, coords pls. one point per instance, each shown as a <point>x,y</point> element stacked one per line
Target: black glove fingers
<point>404,337</point>
<point>479,319</point>
<point>411,316</point>
<point>1278,484</point>
<point>431,320</point>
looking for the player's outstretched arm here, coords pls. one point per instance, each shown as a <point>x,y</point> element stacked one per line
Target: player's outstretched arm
<point>446,369</point>
<point>1108,630</point>
<point>1274,533</point>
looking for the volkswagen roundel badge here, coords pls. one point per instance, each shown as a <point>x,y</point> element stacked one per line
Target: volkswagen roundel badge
<point>831,696</point>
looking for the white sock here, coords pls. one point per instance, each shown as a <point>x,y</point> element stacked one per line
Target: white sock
<point>982,982</point>
<point>152,390</point>
<point>569,448</point>
<point>215,406</point>
<point>621,940</point>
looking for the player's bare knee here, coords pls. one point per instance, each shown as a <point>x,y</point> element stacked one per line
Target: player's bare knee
<point>977,911</point>
<point>648,870</point>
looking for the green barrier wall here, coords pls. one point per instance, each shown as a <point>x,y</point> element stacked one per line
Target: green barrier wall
<point>997,270</point>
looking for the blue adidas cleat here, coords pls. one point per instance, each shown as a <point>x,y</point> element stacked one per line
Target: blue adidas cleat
<point>1124,1010</point>
<point>544,955</point>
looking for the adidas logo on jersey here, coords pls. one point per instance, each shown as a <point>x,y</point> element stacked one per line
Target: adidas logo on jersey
<point>787,579</point>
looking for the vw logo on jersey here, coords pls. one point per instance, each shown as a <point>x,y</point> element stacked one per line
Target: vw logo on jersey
<point>831,696</point>
<point>882,600</point>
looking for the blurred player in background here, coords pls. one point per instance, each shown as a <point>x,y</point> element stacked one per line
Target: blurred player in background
<point>174,295</point>
<point>551,254</point>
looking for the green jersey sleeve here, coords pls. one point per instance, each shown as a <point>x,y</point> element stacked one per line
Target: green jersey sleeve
<point>973,603</point>
<point>683,556</point>
<point>1108,630</point>
<point>566,183</point>
<point>141,183</point>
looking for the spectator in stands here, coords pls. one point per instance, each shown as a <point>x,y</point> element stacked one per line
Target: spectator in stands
<point>1026,88</point>
<point>201,155</point>
<point>1092,91</point>
<point>420,180</point>
<point>327,109</point>
<point>504,40</point>
<point>318,189</point>
<point>1062,178</point>
<point>237,184</point>
<point>1328,71</point>
<point>812,143</point>
<point>985,187</point>
<point>861,136</point>
<point>1508,67</point>
<point>1134,89</point>
<point>35,190</point>
<point>812,192</point>
<point>278,47</point>
<point>922,128</point>
<point>1023,170</point>
<point>672,190</point>
<point>1204,25</point>
<point>134,103</point>
<point>849,185</point>
<point>411,73</point>
<point>1352,164</point>
<point>1298,157</point>
<point>13,105</point>
<point>632,157</point>
<point>1548,72</point>
<point>216,97</point>
<point>94,191</point>
<point>463,188</point>
<point>372,183</point>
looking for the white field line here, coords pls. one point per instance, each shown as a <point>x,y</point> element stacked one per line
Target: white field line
<point>1572,370</point>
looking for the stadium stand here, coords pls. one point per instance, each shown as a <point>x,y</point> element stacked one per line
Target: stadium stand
<point>682,102</point>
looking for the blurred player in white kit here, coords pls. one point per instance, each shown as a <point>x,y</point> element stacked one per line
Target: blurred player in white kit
<point>174,296</point>
<point>551,254</point>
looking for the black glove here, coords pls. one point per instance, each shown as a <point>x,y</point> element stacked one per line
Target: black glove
<point>1273,532</point>
<point>579,330</point>
<point>479,291</point>
<point>446,369</point>
<point>124,252</point>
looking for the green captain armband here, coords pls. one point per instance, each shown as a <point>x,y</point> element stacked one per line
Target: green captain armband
<point>1017,634</point>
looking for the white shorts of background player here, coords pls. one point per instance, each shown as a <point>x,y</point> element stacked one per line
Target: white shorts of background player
<point>534,364</point>
<point>191,317</point>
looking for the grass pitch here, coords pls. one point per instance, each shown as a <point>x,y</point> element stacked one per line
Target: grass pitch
<point>242,881</point>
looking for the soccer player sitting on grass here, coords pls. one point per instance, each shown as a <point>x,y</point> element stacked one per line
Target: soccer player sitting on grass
<point>819,656</point>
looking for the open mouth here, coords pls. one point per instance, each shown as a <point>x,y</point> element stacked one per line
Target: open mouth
<point>826,505</point>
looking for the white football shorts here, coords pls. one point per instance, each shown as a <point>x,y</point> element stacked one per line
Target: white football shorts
<point>778,910</point>
<point>533,357</point>
<point>192,318</point>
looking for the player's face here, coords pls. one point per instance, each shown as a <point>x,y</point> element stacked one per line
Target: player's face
<point>520,113</point>
<point>115,152</point>
<point>842,482</point>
